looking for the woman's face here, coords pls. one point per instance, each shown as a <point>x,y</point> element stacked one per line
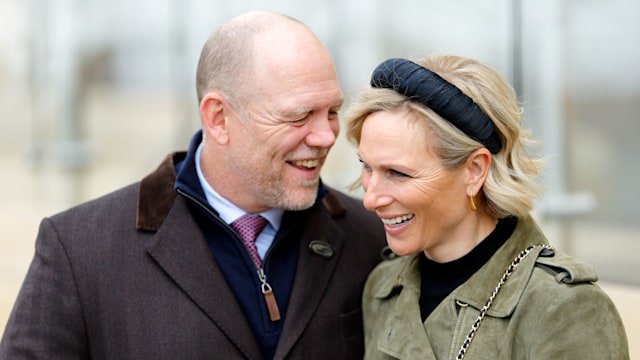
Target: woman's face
<point>422,205</point>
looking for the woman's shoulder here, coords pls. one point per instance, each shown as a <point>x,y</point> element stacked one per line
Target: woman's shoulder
<point>562,298</point>
<point>565,268</point>
<point>559,277</point>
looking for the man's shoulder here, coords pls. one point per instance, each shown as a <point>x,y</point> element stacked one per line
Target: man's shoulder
<point>112,203</point>
<point>134,199</point>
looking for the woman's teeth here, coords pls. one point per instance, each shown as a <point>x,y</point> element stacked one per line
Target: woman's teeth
<point>398,220</point>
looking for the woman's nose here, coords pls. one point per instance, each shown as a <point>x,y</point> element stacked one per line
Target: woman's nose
<point>374,196</point>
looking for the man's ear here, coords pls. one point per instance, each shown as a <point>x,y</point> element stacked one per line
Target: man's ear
<point>213,112</point>
<point>478,165</point>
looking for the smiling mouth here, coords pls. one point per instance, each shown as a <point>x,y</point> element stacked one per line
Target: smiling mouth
<point>397,220</point>
<point>309,164</point>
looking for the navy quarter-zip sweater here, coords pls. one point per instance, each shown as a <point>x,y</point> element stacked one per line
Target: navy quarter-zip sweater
<point>235,262</point>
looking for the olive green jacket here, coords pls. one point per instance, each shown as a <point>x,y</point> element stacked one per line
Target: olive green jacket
<point>548,308</point>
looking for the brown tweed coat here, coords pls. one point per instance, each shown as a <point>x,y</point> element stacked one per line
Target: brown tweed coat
<point>129,276</point>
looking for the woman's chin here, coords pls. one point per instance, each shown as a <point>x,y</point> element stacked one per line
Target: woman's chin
<point>400,248</point>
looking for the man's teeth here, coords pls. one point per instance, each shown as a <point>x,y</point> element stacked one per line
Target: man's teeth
<point>398,220</point>
<point>307,163</point>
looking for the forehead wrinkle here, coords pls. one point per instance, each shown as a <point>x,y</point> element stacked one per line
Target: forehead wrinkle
<point>389,163</point>
<point>397,158</point>
<point>430,172</point>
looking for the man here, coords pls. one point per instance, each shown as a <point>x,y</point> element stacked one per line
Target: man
<point>157,270</point>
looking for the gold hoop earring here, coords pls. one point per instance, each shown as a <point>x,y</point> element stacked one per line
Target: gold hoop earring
<point>472,203</point>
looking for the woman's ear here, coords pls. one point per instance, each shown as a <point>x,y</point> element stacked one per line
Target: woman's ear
<point>478,165</point>
<point>213,112</point>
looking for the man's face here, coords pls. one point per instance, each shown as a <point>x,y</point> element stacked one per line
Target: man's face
<point>280,138</point>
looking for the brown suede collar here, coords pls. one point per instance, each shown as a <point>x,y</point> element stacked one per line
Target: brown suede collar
<point>333,205</point>
<point>156,195</point>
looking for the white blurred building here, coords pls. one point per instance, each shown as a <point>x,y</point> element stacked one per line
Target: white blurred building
<point>90,86</point>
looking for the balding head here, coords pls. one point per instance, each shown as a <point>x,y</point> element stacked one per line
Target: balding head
<point>269,101</point>
<point>230,55</point>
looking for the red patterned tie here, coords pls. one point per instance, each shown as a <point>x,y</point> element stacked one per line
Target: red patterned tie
<point>248,227</point>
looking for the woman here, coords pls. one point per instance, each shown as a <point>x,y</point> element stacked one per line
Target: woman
<point>445,165</point>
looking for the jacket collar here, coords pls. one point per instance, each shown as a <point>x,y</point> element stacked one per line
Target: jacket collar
<point>157,191</point>
<point>178,247</point>
<point>404,331</point>
<point>403,282</point>
<point>477,289</point>
<point>156,194</point>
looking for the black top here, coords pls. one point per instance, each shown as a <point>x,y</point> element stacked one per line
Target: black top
<point>438,280</point>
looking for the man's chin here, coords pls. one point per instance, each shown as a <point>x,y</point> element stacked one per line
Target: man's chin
<point>301,198</point>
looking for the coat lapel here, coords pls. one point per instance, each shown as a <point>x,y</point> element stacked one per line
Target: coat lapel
<point>479,287</point>
<point>313,274</point>
<point>180,249</point>
<point>404,332</point>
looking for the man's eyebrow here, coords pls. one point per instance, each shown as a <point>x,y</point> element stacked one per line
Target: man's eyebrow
<point>305,110</point>
<point>298,112</point>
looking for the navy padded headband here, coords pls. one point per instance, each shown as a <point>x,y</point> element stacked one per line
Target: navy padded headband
<point>421,84</point>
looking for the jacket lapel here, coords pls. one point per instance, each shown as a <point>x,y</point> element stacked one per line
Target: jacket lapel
<point>405,336</point>
<point>478,288</point>
<point>180,249</point>
<point>313,272</point>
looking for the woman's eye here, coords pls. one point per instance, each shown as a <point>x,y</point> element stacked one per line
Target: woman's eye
<point>398,173</point>
<point>364,165</point>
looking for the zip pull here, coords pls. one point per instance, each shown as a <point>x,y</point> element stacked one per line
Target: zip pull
<point>269,297</point>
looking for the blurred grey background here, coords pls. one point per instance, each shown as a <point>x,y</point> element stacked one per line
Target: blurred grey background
<point>94,93</point>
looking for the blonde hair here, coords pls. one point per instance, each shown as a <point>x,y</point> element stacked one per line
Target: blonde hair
<point>511,186</point>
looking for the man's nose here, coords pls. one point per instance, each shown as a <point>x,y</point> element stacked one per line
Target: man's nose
<point>323,132</point>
